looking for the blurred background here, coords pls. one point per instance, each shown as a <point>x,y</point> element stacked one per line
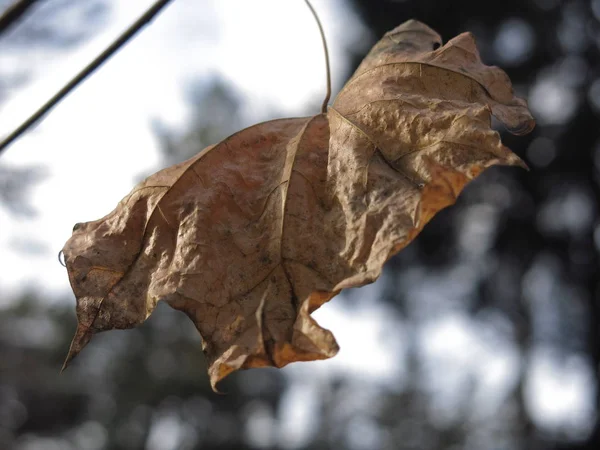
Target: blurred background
<point>483,334</point>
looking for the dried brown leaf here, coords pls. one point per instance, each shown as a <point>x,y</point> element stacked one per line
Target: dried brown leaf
<point>253,234</point>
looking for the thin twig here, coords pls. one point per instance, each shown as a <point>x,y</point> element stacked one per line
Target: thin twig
<point>328,95</point>
<point>13,13</point>
<point>85,72</point>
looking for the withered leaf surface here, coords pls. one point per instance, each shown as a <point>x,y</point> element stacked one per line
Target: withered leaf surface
<point>253,234</point>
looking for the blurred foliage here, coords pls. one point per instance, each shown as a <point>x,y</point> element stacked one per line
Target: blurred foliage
<point>56,24</point>
<point>215,115</point>
<point>525,240</point>
<point>15,186</point>
<point>46,27</point>
<point>144,388</point>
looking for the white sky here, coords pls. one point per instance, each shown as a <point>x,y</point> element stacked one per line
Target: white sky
<point>98,140</point>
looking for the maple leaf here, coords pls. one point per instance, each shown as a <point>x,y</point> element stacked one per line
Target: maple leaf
<point>253,234</point>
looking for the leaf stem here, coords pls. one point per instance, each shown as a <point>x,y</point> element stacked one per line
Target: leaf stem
<point>85,72</point>
<point>328,95</point>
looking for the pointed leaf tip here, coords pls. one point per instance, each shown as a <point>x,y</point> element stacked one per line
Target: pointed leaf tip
<point>82,337</point>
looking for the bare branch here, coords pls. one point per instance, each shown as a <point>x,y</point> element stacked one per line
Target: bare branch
<point>13,13</point>
<point>85,72</point>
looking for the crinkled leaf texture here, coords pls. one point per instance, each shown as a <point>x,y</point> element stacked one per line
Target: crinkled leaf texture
<point>253,234</point>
